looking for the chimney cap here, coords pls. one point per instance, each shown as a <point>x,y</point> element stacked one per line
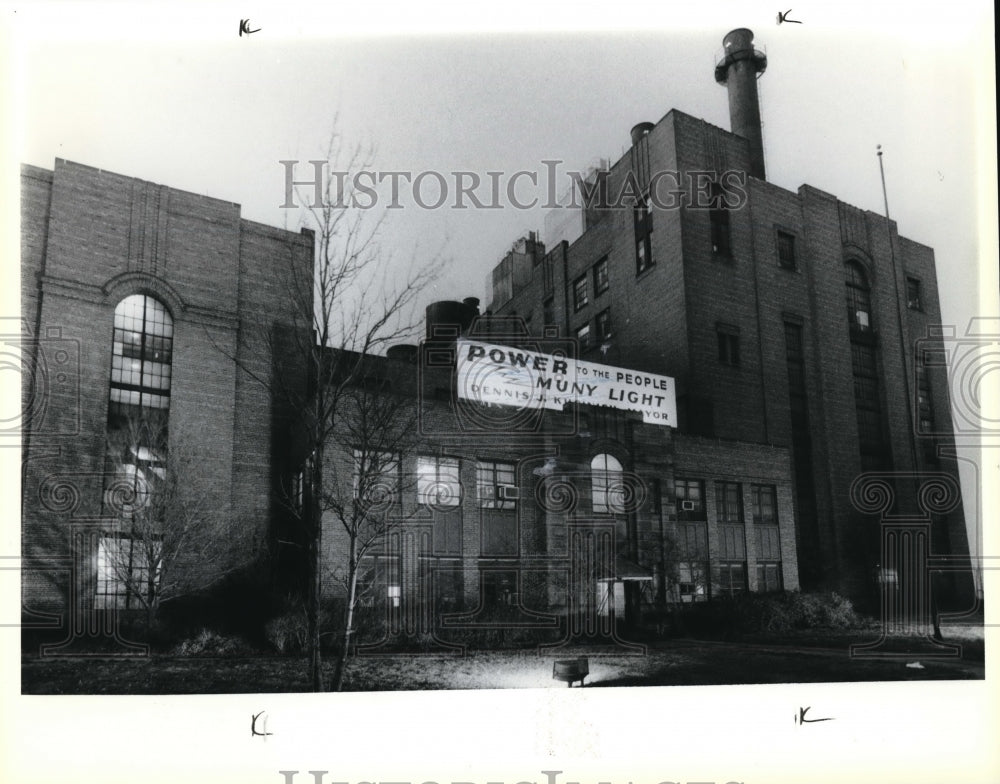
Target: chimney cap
<point>640,129</point>
<point>738,45</point>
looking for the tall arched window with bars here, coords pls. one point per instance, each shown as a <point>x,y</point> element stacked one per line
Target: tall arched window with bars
<point>607,485</point>
<point>128,558</point>
<point>864,365</point>
<point>859,303</point>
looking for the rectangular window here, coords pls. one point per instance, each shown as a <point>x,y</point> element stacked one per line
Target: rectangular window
<point>496,485</point>
<point>643,219</point>
<point>601,276</point>
<point>718,217</point>
<point>768,577</point>
<point>583,337</point>
<point>549,312</point>
<point>376,476</point>
<point>786,249</point>
<point>692,566</point>
<point>768,543</point>
<point>729,344</point>
<point>732,543</point>
<point>690,499</point>
<point>925,406</point>
<point>497,490</point>
<point>603,325</point>
<point>728,502</point>
<point>732,538</point>
<point>438,482</point>
<point>732,578</point>
<point>692,581</point>
<point>913,301</point>
<point>768,558</point>
<point>123,572</point>
<point>580,293</point>
<point>765,510</point>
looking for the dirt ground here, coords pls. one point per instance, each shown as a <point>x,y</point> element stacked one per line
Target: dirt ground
<point>809,658</point>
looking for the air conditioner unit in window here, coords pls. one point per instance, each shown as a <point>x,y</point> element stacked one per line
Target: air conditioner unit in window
<point>506,492</point>
<point>687,506</point>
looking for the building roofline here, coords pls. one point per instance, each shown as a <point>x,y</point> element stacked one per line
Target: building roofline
<point>201,196</point>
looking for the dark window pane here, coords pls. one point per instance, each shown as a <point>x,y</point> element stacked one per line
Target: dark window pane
<point>786,250</point>
<point>601,276</point>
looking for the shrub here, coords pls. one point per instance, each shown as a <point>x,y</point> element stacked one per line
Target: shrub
<point>288,632</point>
<point>502,631</point>
<point>751,613</point>
<point>208,642</point>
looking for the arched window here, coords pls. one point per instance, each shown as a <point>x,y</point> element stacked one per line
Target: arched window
<point>136,495</point>
<point>864,364</point>
<point>607,485</point>
<point>859,305</point>
<point>140,363</point>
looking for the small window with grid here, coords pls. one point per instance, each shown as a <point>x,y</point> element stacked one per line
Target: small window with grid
<point>496,485</point>
<point>580,297</point>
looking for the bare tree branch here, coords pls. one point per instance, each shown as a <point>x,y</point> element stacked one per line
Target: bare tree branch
<point>355,301</point>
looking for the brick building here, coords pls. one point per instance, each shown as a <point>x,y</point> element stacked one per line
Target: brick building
<point>517,514</point>
<point>144,304</point>
<point>682,259</point>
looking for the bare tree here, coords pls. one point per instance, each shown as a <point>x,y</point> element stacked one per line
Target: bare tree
<point>166,540</point>
<point>353,304</point>
<point>378,426</point>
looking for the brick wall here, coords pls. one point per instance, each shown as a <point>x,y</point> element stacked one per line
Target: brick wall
<point>666,321</point>
<point>91,238</point>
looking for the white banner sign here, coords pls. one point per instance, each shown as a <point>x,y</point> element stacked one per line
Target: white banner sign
<point>507,376</point>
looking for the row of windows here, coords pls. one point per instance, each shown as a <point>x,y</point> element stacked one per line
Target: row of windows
<point>785,248</point>
<point>690,501</point>
<point>377,478</point>
<point>693,572</point>
<point>599,274</point>
<point>589,338</point>
<point>438,482</point>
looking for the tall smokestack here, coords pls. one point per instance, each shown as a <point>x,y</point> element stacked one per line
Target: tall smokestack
<point>738,71</point>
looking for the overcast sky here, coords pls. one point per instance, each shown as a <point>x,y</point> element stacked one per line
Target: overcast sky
<point>172,94</point>
<point>181,99</point>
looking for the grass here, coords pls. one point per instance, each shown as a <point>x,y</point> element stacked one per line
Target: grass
<point>793,658</point>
